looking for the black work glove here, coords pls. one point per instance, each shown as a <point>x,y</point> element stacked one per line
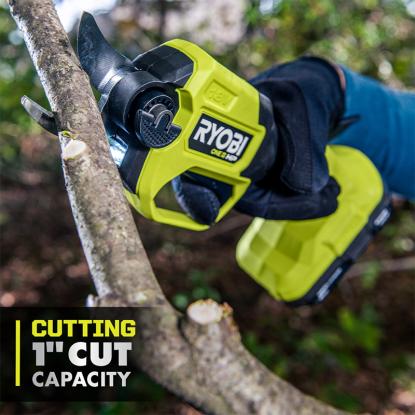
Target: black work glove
<point>307,100</point>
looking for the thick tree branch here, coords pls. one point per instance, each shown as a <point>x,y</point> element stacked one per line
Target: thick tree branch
<point>105,224</point>
<point>198,356</point>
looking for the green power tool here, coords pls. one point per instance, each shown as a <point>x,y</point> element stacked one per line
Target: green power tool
<point>176,110</point>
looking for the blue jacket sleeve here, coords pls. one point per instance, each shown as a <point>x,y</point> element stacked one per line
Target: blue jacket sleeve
<point>384,131</point>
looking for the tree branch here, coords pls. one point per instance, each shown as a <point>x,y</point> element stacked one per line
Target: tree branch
<point>383,265</point>
<point>198,356</point>
<point>104,221</point>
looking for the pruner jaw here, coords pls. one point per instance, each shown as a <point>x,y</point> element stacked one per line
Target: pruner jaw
<point>97,57</point>
<point>43,117</point>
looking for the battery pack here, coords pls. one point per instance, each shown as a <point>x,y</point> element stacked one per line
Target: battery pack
<point>300,262</point>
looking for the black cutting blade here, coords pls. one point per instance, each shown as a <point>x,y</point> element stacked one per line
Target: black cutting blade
<point>98,58</point>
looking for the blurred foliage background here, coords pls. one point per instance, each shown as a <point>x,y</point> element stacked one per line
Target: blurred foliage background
<point>356,351</point>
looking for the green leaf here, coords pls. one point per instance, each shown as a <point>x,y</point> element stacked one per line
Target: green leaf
<point>340,399</point>
<point>370,275</point>
<point>360,330</point>
<point>180,301</point>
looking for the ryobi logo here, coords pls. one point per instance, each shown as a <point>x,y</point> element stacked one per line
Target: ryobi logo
<point>218,139</point>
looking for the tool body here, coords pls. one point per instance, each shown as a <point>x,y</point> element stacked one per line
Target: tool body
<point>172,110</point>
<point>175,110</point>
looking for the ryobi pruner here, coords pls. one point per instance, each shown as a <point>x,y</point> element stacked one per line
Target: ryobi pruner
<point>176,110</point>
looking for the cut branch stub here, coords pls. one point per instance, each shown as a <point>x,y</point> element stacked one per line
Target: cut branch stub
<point>208,322</point>
<point>73,150</point>
<point>205,312</point>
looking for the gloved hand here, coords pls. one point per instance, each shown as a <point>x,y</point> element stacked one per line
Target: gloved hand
<point>307,99</point>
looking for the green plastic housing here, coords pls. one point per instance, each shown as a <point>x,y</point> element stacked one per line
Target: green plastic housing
<point>299,262</point>
<point>214,91</point>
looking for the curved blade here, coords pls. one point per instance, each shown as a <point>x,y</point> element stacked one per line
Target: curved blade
<point>42,116</point>
<point>98,58</point>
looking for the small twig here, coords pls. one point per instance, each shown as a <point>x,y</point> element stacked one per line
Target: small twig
<point>385,265</point>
